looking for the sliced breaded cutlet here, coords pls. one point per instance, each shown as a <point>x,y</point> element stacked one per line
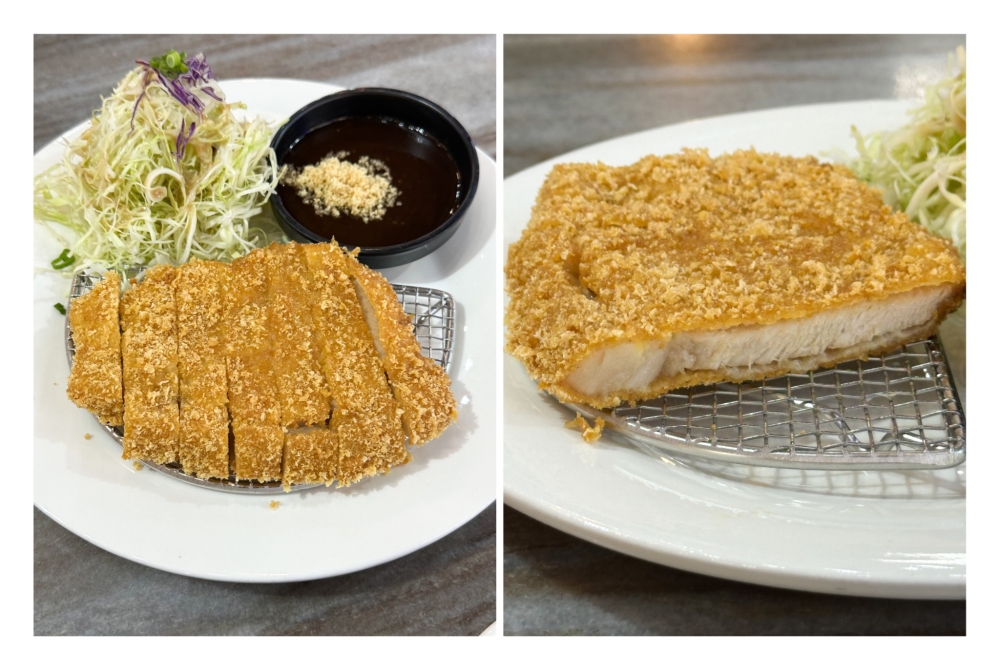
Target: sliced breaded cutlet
<point>200,288</point>
<point>365,419</point>
<point>420,385</point>
<point>95,380</point>
<point>680,270</point>
<point>254,406</point>
<point>310,456</point>
<point>310,450</point>
<point>295,357</point>
<point>149,368</point>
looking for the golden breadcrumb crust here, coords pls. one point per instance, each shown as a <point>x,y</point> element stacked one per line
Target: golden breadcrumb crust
<point>254,407</point>
<point>310,457</point>
<point>304,394</point>
<point>199,290</point>
<point>367,417</point>
<point>149,368</point>
<point>421,386</point>
<point>589,434</point>
<point>95,381</point>
<point>686,242</point>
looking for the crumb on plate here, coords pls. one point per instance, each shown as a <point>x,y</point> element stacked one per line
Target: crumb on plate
<point>589,434</point>
<point>275,504</point>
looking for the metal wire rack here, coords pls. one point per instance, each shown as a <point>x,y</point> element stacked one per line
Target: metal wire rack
<point>897,411</point>
<point>433,315</point>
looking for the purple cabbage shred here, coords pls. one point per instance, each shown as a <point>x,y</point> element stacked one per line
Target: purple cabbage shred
<point>185,90</point>
<point>182,141</point>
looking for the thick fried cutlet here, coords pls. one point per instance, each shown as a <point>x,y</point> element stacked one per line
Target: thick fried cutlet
<point>683,269</point>
<point>366,417</point>
<point>274,350</point>
<point>310,454</point>
<point>295,361</point>
<point>420,385</point>
<point>200,288</point>
<point>95,381</point>
<point>254,406</point>
<point>149,368</point>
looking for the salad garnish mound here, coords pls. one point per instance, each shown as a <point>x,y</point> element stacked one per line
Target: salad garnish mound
<point>921,166</point>
<point>165,172</point>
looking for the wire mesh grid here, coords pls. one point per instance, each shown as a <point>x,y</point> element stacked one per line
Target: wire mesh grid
<point>897,411</point>
<point>433,315</point>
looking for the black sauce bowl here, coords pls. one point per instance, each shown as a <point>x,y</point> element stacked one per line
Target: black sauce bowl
<point>410,109</point>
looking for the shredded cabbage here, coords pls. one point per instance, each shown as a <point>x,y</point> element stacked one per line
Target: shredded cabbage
<point>921,167</point>
<point>164,173</point>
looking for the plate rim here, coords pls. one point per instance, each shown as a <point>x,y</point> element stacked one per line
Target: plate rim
<point>889,103</point>
<point>759,575</point>
<point>563,520</point>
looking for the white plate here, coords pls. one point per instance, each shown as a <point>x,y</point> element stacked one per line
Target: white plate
<point>870,533</point>
<point>164,523</point>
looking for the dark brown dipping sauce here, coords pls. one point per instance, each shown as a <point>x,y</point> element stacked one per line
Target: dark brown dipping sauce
<point>423,171</point>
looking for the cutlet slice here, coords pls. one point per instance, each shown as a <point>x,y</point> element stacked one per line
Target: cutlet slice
<point>420,385</point>
<point>200,288</point>
<point>95,381</point>
<point>366,419</point>
<point>310,451</point>
<point>310,457</point>
<point>304,395</point>
<point>679,270</point>
<point>149,368</point>
<point>254,407</point>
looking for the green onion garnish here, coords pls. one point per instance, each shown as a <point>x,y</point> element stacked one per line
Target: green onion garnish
<point>63,261</point>
<point>170,64</point>
<point>60,308</point>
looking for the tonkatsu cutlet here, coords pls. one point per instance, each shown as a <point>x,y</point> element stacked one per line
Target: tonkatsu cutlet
<point>149,368</point>
<point>295,359</point>
<point>254,407</point>
<point>421,387</point>
<point>200,288</point>
<point>310,457</point>
<point>95,382</point>
<point>680,270</point>
<point>310,448</point>
<point>365,418</point>
<point>264,369</point>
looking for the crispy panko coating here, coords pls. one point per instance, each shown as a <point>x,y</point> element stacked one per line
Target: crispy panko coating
<point>366,418</point>
<point>589,434</point>
<point>304,394</point>
<point>254,407</point>
<point>310,457</point>
<point>149,368</point>
<point>689,243</point>
<point>420,385</point>
<point>95,381</point>
<point>200,288</point>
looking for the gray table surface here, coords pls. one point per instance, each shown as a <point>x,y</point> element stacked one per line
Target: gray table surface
<point>566,92</point>
<point>447,588</point>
